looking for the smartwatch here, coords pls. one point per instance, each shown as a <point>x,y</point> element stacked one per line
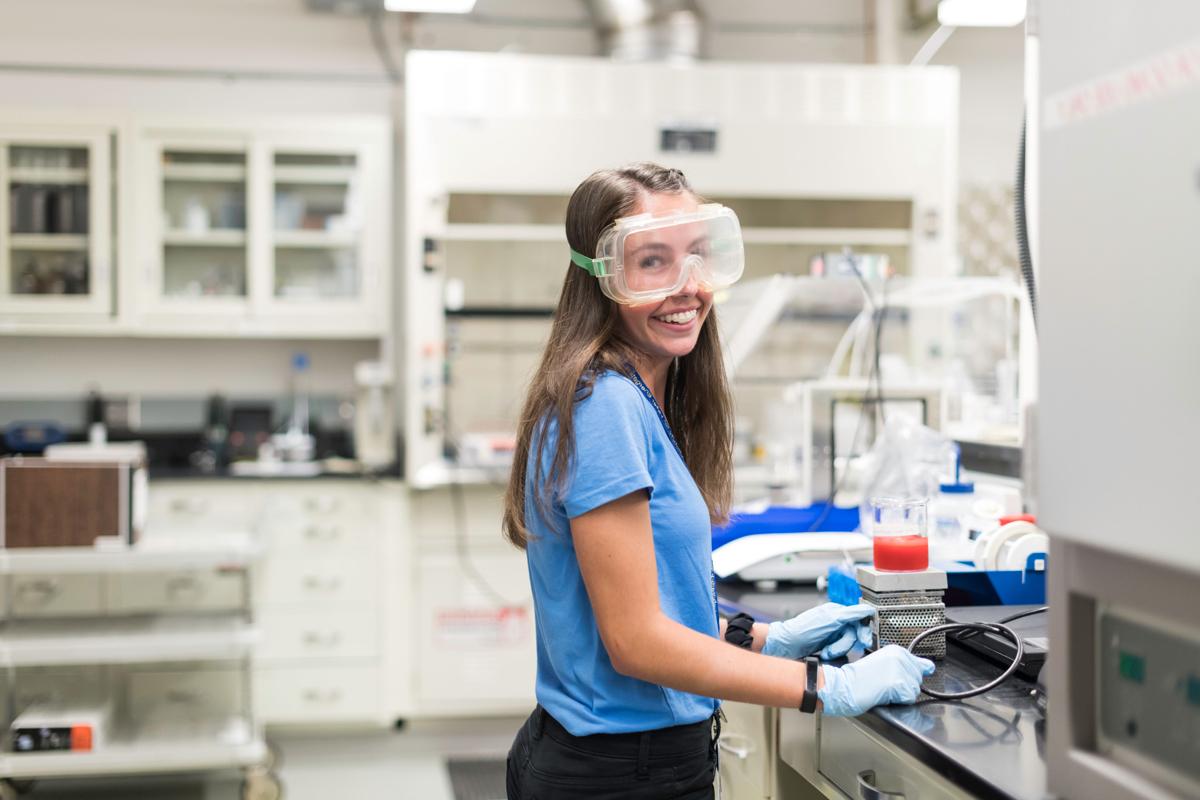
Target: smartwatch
<point>808,703</point>
<point>739,631</point>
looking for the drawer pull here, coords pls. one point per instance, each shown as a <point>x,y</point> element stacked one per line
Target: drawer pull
<point>317,584</point>
<point>318,639</point>
<point>39,591</point>
<point>181,584</point>
<point>322,504</point>
<point>740,747</point>
<point>189,505</point>
<point>318,533</point>
<point>868,791</point>
<point>318,696</point>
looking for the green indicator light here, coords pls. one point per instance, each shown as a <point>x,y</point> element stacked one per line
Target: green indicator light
<point>1132,668</point>
<point>1193,690</point>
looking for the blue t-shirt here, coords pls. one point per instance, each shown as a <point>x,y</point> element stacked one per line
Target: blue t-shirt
<point>621,446</point>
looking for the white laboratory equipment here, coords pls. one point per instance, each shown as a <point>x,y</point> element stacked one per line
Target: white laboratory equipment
<point>1118,423</point>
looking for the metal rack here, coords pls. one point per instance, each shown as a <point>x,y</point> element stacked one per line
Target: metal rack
<point>115,641</point>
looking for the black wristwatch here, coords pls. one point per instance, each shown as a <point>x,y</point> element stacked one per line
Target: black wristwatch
<point>808,703</point>
<point>739,631</point>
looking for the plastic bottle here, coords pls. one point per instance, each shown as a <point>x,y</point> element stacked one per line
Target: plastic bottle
<point>949,511</point>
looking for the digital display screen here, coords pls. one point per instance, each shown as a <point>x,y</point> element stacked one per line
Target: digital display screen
<point>1131,667</point>
<point>1193,690</point>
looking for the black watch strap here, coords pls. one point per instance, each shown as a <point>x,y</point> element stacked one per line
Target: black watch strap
<point>808,703</point>
<point>739,631</point>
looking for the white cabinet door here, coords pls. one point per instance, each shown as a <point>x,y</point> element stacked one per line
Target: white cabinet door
<point>195,229</point>
<point>474,652</point>
<point>264,227</point>
<point>326,254</point>
<point>56,246</point>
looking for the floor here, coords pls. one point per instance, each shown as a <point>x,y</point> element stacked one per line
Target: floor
<point>410,763</point>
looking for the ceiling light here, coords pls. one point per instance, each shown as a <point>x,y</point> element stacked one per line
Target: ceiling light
<point>430,6</point>
<point>981,13</point>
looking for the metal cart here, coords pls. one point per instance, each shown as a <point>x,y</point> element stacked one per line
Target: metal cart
<point>116,641</point>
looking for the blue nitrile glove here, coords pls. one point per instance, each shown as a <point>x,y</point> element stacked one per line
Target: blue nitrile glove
<point>831,628</point>
<point>890,675</point>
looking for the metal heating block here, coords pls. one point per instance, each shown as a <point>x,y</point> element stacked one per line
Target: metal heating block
<point>906,604</point>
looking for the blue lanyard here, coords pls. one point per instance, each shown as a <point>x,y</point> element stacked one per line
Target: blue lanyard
<point>637,380</point>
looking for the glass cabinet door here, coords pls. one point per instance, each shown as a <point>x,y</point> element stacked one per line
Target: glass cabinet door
<point>204,232</point>
<point>317,226</point>
<point>55,250</point>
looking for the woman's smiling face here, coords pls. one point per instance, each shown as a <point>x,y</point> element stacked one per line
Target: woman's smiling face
<point>669,328</point>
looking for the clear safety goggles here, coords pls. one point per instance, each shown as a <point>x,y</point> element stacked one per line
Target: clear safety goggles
<point>648,258</point>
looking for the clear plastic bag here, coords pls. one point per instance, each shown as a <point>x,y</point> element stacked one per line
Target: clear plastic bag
<point>906,462</point>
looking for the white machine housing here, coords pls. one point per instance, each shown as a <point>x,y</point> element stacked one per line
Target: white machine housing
<point>1118,422</point>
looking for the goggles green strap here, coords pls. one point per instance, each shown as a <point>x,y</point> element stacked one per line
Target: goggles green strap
<point>593,266</point>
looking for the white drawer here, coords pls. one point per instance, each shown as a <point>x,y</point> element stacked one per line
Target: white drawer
<point>748,750</point>
<point>856,761</point>
<point>321,538</point>
<point>157,698</point>
<point>298,695</point>
<point>202,508</point>
<point>57,595</point>
<point>468,650</point>
<point>182,590</point>
<point>342,580</point>
<point>322,502</point>
<point>291,635</point>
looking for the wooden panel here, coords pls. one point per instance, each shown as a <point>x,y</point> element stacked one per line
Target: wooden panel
<point>60,505</point>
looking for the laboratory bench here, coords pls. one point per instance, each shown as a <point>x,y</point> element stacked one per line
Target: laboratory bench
<point>990,747</point>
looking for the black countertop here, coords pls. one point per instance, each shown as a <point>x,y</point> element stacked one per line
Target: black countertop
<point>992,746</point>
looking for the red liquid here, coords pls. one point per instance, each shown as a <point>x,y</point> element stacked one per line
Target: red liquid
<point>901,553</point>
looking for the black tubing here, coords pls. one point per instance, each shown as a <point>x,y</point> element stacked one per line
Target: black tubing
<point>978,627</point>
<point>1022,227</point>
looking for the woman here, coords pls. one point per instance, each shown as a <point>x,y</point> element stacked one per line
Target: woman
<point>623,463</point>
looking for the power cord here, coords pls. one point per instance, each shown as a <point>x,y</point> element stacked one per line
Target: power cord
<point>462,549</point>
<point>974,629</point>
<point>874,378</point>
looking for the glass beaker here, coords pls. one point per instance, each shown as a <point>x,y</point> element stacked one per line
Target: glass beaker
<point>900,534</point>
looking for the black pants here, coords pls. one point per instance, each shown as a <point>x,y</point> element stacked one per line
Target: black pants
<point>546,762</point>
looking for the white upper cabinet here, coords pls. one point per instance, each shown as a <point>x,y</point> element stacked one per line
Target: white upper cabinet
<point>56,243</point>
<point>262,229</point>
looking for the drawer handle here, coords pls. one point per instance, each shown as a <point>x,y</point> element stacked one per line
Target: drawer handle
<point>318,696</point>
<point>186,505</point>
<point>318,639</point>
<point>317,584</point>
<point>181,584</point>
<point>740,747</point>
<point>40,591</point>
<point>317,533</point>
<point>868,791</point>
<point>322,504</point>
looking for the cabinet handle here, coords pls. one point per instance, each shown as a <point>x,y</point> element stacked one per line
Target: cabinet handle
<point>316,584</point>
<point>322,504</point>
<point>318,533</point>
<point>740,747</point>
<point>317,696</point>
<point>868,791</point>
<point>318,639</point>
<point>189,505</point>
<point>181,584</point>
<point>39,591</point>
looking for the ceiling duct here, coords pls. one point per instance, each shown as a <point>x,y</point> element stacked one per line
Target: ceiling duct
<point>649,30</point>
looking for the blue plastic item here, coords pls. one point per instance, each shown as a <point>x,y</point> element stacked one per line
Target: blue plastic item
<point>33,436</point>
<point>842,585</point>
<point>970,586</point>
<point>786,519</point>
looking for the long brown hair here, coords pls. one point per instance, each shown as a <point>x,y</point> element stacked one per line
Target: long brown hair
<point>585,342</point>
